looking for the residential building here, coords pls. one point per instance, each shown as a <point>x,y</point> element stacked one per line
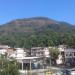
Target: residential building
<point>3,49</point>
<point>43,53</point>
<point>17,53</point>
<point>67,54</point>
<point>40,51</point>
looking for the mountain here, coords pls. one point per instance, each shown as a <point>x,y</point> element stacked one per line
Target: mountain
<point>35,31</point>
<point>34,24</point>
<point>26,25</point>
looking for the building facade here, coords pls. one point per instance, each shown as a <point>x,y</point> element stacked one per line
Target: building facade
<point>67,55</point>
<point>40,51</point>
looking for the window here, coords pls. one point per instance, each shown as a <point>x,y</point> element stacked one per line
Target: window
<point>74,53</point>
<point>70,54</point>
<point>66,54</point>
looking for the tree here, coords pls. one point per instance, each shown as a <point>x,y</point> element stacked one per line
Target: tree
<point>54,52</point>
<point>7,66</point>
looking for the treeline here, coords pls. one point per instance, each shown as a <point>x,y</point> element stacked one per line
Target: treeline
<point>46,38</point>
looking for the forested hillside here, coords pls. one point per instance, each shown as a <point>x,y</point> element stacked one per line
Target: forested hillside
<point>37,31</point>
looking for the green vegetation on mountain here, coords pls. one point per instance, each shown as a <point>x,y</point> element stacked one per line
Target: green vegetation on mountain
<point>37,31</point>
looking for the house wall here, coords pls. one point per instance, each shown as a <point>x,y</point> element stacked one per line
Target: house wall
<point>68,54</point>
<point>40,51</point>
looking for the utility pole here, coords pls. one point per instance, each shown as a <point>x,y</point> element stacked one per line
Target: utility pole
<point>30,67</point>
<point>50,61</point>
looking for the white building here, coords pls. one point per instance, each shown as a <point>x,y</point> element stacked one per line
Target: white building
<point>18,53</point>
<point>43,53</point>
<point>67,54</point>
<point>3,49</point>
<point>40,51</point>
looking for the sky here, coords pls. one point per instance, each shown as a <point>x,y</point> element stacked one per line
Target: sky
<point>60,10</point>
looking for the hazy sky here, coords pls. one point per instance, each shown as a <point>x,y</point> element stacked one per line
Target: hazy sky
<point>61,10</point>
